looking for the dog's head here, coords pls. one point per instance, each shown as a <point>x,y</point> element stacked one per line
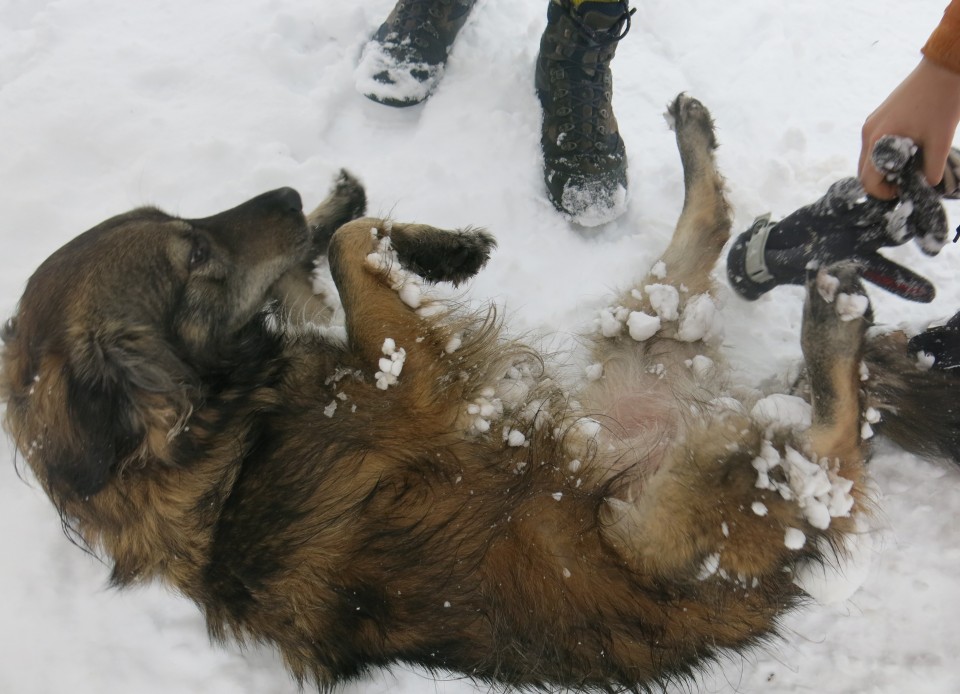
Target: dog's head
<point>118,329</point>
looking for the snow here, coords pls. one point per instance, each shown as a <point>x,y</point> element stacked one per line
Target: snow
<point>195,107</point>
<point>407,81</point>
<point>642,326</point>
<point>390,364</point>
<point>699,320</point>
<point>794,539</point>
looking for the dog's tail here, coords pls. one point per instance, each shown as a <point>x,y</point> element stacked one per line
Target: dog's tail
<point>919,407</point>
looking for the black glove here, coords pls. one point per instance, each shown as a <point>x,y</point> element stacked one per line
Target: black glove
<point>942,343</point>
<point>847,224</point>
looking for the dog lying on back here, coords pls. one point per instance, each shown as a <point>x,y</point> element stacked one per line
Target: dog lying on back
<point>420,490</point>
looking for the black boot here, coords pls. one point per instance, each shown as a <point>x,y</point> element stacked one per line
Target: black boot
<point>404,61</point>
<point>942,344</point>
<point>585,165</point>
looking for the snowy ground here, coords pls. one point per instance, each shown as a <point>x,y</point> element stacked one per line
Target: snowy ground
<point>195,106</point>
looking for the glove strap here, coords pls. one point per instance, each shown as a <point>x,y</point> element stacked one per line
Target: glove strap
<point>754,263</point>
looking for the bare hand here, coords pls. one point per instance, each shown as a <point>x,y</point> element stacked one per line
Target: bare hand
<point>924,107</point>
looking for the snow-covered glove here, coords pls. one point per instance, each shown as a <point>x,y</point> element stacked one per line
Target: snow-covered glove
<point>942,343</point>
<point>847,224</point>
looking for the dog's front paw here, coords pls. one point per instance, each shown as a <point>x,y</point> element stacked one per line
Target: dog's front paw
<point>346,201</point>
<point>441,256</point>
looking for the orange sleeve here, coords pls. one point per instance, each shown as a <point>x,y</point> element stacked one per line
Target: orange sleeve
<point>943,46</point>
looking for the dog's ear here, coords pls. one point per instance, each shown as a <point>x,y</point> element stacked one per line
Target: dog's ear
<point>112,397</point>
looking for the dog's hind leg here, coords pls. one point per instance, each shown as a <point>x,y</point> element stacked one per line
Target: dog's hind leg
<point>740,497</point>
<point>368,260</point>
<point>681,278</point>
<point>835,318</point>
<point>704,224</point>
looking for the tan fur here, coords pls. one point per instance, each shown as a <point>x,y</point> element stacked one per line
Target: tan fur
<point>468,513</point>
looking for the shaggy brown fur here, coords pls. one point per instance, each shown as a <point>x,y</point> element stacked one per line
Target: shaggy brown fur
<point>419,490</point>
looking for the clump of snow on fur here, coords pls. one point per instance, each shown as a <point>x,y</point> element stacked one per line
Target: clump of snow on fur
<point>781,411</point>
<point>794,539</point>
<point>827,286</point>
<point>701,365</point>
<point>391,364</point>
<point>610,322</point>
<point>851,306</point>
<point>330,409</point>
<point>709,567</point>
<point>759,508</point>
<point>642,326</point>
<point>665,300</point>
<point>407,285</point>
<point>819,490</point>
<point>581,437</point>
<point>700,320</point>
<point>925,361</point>
<point>454,343</point>
<point>594,372</point>
<point>514,437</point>
<point>659,269</point>
<point>483,409</point>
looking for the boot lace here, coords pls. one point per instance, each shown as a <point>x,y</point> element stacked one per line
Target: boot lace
<point>579,86</point>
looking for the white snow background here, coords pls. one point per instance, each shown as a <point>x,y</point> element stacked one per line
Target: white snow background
<point>196,106</point>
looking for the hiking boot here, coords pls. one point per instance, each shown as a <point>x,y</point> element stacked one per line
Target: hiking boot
<point>585,165</point>
<point>404,61</point>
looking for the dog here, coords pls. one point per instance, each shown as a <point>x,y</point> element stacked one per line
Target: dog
<point>416,487</point>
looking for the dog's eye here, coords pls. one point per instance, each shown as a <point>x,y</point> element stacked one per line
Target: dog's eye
<point>199,252</point>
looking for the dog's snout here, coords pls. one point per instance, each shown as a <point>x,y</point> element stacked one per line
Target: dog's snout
<point>288,199</point>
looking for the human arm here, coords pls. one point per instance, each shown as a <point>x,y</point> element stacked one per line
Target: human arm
<point>924,107</point>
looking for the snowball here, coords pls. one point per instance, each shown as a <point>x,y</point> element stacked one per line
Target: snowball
<point>594,372</point>
<point>642,326</point>
<point>794,539</point>
<point>827,286</point>
<point>390,365</point>
<point>699,320</point>
<point>851,306</point>
<point>701,365</point>
<point>453,344</point>
<point>782,411</point>
<point>665,300</point>
<point>608,323</point>
<point>410,294</point>
<point>516,438</point>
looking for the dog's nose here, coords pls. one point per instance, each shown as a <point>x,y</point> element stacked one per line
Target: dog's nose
<point>288,199</point>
